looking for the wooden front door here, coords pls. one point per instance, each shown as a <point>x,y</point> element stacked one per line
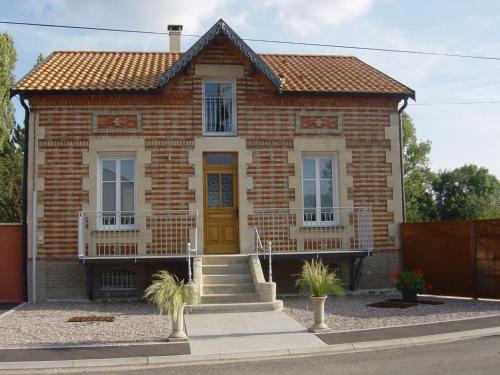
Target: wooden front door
<point>220,185</point>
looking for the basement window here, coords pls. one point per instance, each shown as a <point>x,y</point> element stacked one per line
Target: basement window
<point>219,108</point>
<point>117,280</point>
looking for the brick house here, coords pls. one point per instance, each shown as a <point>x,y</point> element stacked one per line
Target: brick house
<point>133,155</point>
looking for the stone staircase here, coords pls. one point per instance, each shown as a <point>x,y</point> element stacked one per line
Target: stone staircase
<point>228,284</point>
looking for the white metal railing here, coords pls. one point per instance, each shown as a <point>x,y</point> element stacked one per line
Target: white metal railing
<point>310,230</point>
<point>137,234</point>
<point>259,249</point>
<point>218,114</point>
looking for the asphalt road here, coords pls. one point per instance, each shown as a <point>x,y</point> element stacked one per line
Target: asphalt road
<point>477,357</point>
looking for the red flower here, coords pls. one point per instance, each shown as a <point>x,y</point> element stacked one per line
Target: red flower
<point>397,273</point>
<point>419,272</point>
<point>429,286</point>
<point>406,281</point>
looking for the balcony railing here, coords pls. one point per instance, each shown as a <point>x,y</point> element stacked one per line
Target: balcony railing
<point>136,234</point>
<point>219,115</point>
<point>292,230</point>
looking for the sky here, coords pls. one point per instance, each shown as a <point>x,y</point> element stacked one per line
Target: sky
<point>460,134</point>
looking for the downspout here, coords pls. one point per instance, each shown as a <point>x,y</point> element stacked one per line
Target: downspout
<point>401,164</point>
<point>25,195</point>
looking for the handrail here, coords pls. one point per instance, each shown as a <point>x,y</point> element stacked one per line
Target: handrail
<point>259,247</point>
<point>190,250</point>
<point>258,242</point>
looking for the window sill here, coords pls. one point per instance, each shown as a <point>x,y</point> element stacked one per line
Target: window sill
<point>220,134</point>
<point>318,226</point>
<point>119,230</point>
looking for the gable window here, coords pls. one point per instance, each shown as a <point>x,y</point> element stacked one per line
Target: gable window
<point>219,110</point>
<point>117,191</point>
<point>320,190</point>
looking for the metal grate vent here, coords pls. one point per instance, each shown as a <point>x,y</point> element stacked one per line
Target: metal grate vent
<point>117,280</point>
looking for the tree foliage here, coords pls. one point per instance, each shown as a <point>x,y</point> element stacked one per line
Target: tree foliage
<point>417,175</point>
<point>467,192</point>
<point>11,139</point>
<point>7,80</point>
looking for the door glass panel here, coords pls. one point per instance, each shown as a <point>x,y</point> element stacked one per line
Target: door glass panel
<point>227,190</point>
<point>213,192</point>
<point>219,159</point>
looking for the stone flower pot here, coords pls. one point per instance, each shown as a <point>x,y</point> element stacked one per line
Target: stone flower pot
<point>319,314</point>
<point>178,332</point>
<point>410,297</point>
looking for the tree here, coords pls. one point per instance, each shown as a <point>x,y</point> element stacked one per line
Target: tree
<point>417,174</point>
<point>468,192</point>
<point>39,60</point>
<point>7,80</point>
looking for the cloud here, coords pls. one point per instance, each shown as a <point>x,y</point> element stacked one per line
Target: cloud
<point>309,17</point>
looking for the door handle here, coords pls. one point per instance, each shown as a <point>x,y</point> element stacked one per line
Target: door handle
<point>236,211</point>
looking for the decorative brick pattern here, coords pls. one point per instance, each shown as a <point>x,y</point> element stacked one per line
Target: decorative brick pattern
<point>116,122</point>
<point>318,122</point>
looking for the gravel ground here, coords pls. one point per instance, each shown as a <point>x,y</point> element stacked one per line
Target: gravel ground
<point>46,324</point>
<point>351,313</point>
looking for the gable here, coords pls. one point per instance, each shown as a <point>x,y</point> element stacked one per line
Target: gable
<point>221,29</point>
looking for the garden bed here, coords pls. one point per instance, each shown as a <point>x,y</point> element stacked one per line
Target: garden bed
<point>46,324</point>
<point>352,312</point>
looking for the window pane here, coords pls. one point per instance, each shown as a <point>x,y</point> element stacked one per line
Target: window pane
<point>213,190</point>
<point>109,196</point>
<point>308,170</point>
<point>219,159</point>
<point>227,190</point>
<point>212,89</point>
<point>309,194</point>
<point>109,170</point>
<point>127,170</point>
<point>325,168</point>
<point>326,193</point>
<point>127,197</point>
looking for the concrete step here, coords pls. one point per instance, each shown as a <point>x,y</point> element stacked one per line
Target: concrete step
<point>224,269</point>
<point>228,288</point>
<point>235,307</point>
<point>229,298</point>
<point>227,279</point>
<point>224,259</point>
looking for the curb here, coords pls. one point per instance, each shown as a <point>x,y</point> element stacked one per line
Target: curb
<point>262,354</point>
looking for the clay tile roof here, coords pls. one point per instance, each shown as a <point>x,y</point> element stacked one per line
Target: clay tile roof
<point>142,70</point>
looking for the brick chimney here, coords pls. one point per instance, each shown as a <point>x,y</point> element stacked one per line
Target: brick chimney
<point>174,32</point>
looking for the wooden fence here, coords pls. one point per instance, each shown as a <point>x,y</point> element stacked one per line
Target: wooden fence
<point>11,263</point>
<point>459,258</point>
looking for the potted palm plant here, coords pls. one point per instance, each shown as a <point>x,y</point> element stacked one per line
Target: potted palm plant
<point>318,281</point>
<point>169,295</point>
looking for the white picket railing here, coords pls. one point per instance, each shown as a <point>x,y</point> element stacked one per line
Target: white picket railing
<point>137,234</point>
<point>292,230</point>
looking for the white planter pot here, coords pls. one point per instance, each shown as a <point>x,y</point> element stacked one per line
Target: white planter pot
<point>319,314</point>
<point>178,332</point>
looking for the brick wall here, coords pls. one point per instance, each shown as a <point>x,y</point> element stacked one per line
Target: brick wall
<point>170,121</point>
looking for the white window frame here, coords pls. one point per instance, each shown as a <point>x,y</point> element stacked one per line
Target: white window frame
<point>99,219</point>
<point>335,186</point>
<point>234,129</point>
